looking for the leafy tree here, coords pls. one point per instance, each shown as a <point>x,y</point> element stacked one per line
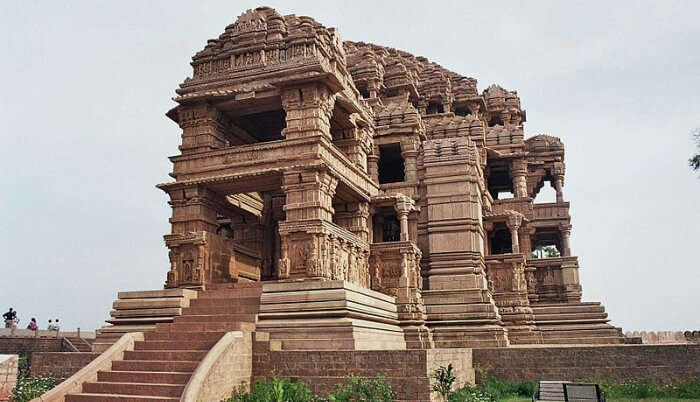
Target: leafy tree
<point>694,161</point>
<point>545,252</point>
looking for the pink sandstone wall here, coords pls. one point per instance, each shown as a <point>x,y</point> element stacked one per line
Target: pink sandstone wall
<point>657,363</point>
<point>8,376</point>
<point>408,371</point>
<point>17,345</point>
<point>60,365</point>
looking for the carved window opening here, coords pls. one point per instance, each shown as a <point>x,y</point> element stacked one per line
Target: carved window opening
<point>364,92</point>
<point>257,127</point>
<point>501,241</point>
<point>547,243</point>
<point>544,193</point>
<point>386,225</point>
<point>462,111</point>
<point>435,108</point>
<point>495,121</point>
<point>500,183</point>
<point>391,164</point>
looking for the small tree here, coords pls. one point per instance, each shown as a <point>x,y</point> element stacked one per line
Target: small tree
<point>545,252</point>
<point>694,161</point>
<point>445,379</point>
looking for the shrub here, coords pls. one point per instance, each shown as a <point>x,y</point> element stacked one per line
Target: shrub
<point>365,390</point>
<point>508,389</point>
<point>28,388</point>
<point>444,380</point>
<point>689,389</point>
<point>275,390</point>
<point>467,394</point>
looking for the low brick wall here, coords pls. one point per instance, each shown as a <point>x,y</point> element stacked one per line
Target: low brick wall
<point>28,345</point>
<point>60,364</point>
<point>408,371</point>
<point>8,376</point>
<point>657,363</point>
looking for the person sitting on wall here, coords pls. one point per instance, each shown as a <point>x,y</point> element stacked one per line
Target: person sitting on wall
<point>33,325</point>
<point>10,318</point>
<point>51,327</point>
<point>56,327</point>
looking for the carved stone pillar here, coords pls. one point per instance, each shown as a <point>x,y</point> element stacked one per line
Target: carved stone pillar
<point>488,228</point>
<point>519,174</point>
<point>409,152</point>
<point>373,167</point>
<point>309,109</point>
<point>558,173</point>
<point>203,128</point>
<point>565,240</point>
<point>309,194</point>
<point>513,222</point>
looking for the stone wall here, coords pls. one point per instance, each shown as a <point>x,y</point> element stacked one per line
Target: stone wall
<point>661,337</point>
<point>408,371</point>
<point>657,363</point>
<point>60,365</point>
<point>8,376</point>
<point>27,345</point>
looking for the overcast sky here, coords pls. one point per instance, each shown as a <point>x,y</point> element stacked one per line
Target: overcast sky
<point>84,137</point>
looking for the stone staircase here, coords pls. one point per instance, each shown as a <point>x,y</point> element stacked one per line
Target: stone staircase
<point>80,343</point>
<point>575,323</point>
<point>160,366</point>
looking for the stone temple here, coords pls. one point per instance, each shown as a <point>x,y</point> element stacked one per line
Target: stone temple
<point>364,185</point>
<point>345,196</point>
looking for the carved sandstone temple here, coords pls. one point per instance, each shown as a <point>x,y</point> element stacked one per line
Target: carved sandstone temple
<point>359,189</point>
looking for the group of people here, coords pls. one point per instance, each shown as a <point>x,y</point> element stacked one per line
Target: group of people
<point>11,321</point>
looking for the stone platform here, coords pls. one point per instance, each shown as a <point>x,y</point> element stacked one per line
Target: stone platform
<point>330,315</point>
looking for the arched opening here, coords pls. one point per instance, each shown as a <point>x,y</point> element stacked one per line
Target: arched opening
<point>501,242</point>
<point>391,164</point>
<point>434,108</point>
<point>386,226</point>
<point>499,182</point>
<point>462,111</point>
<point>545,191</point>
<point>495,121</point>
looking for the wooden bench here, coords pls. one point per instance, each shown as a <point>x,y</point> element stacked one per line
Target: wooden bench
<point>583,393</point>
<point>564,391</point>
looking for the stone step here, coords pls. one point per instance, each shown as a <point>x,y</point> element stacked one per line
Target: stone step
<point>216,318</point>
<point>568,309</point>
<point>571,321</point>
<point>226,302</point>
<point>236,285</point>
<point>90,397</point>
<point>177,345</point>
<point>167,335</point>
<point>133,388</point>
<point>567,317</point>
<point>159,377</point>
<point>182,366</point>
<point>230,293</point>
<point>232,309</point>
<point>206,327</point>
<point>177,355</point>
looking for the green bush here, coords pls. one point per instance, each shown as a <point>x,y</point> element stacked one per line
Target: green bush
<point>639,390</point>
<point>364,390</point>
<point>356,389</point>
<point>275,390</point>
<point>28,388</point>
<point>467,394</point>
<point>508,389</point>
<point>444,380</point>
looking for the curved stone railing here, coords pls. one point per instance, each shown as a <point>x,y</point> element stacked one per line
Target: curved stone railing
<point>74,383</point>
<point>227,366</point>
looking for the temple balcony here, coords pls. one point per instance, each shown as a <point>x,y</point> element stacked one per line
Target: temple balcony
<point>555,211</point>
<point>259,166</point>
<point>553,279</point>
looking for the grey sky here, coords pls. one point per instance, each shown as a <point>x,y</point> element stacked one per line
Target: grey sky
<point>84,138</point>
